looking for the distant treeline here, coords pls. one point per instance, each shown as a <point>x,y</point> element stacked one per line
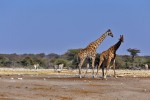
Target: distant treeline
<point>69,59</point>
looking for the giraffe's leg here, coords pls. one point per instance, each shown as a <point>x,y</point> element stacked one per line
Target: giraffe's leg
<point>87,67</point>
<point>107,67</point>
<point>80,65</point>
<point>103,67</point>
<point>114,68</point>
<point>93,62</point>
<point>101,61</point>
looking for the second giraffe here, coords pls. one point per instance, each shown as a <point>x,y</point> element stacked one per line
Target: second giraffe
<point>109,55</point>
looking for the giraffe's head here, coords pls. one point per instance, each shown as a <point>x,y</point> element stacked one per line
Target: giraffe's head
<point>121,38</point>
<point>109,32</point>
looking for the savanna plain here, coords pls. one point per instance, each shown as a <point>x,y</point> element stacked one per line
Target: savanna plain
<point>45,84</point>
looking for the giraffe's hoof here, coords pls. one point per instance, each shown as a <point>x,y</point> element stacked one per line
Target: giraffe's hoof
<point>116,77</point>
<point>80,76</point>
<point>104,78</point>
<point>95,76</point>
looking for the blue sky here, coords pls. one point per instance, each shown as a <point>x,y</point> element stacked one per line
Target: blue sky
<point>54,26</point>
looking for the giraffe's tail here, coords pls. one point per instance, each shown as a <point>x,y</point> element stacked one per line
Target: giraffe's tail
<point>77,59</point>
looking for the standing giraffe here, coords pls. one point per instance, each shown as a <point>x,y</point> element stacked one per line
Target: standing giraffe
<point>90,51</point>
<point>109,55</point>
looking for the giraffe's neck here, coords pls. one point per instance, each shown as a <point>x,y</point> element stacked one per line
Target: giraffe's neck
<point>100,40</point>
<point>117,45</point>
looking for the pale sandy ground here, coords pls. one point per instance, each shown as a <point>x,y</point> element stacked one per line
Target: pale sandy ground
<point>25,84</point>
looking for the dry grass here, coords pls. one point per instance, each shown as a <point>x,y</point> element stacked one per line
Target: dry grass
<point>11,71</point>
<point>134,73</point>
<point>120,73</point>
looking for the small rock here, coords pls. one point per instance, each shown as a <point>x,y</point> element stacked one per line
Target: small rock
<point>19,78</point>
<point>134,76</point>
<point>121,75</point>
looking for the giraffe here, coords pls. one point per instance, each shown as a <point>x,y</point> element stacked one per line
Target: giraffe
<point>90,51</point>
<point>109,55</point>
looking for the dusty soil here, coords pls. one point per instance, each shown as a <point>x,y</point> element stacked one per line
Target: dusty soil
<point>57,86</point>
